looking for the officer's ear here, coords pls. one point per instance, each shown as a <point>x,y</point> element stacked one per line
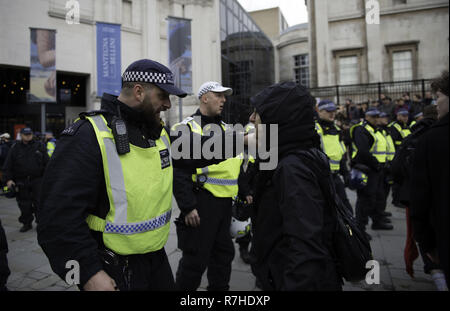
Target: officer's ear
<point>139,92</point>
<point>204,98</point>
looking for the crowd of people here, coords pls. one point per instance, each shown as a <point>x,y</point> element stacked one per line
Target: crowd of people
<point>103,196</point>
<point>380,139</point>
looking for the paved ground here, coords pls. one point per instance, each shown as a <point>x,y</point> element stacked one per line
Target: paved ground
<point>30,270</point>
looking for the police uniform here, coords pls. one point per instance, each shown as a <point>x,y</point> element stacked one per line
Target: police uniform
<point>390,154</point>
<point>369,149</point>
<point>208,189</point>
<point>25,165</point>
<point>51,145</point>
<point>398,132</point>
<point>111,210</point>
<point>332,145</point>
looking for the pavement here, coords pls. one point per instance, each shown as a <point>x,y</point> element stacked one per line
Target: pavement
<point>30,269</point>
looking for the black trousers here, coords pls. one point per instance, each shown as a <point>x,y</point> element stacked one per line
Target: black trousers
<point>213,247</point>
<point>143,272</point>
<point>395,193</point>
<point>371,200</point>
<point>340,190</point>
<point>28,198</point>
<point>4,269</point>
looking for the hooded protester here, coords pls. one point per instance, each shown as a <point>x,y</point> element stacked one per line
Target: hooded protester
<point>293,228</point>
<point>429,183</point>
<point>402,170</point>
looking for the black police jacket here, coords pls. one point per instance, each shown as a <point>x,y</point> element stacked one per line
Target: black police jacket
<point>25,160</point>
<point>183,186</point>
<point>75,187</point>
<point>364,141</point>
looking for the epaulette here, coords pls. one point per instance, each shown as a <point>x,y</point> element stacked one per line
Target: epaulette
<point>73,128</point>
<point>187,120</point>
<point>92,113</point>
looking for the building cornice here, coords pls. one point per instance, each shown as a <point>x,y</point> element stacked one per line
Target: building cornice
<point>88,20</point>
<point>292,41</point>
<point>360,49</point>
<point>57,13</point>
<point>391,11</point>
<point>202,3</point>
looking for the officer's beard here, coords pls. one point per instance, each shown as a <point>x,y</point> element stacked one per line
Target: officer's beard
<point>150,117</point>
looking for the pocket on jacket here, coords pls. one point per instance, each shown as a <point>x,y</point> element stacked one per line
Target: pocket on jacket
<point>188,237</point>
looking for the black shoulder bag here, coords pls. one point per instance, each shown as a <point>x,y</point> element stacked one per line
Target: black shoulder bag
<point>351,246</point>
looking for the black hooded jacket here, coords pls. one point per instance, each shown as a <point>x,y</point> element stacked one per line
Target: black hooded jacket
<point>293,226</point>
<point>429,192</point>
<point>402,167</point>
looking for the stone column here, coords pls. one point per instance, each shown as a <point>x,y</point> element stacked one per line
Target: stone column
<point>374,53</point>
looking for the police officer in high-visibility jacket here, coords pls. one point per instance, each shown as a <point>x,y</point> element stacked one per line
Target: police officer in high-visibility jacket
<point>369,149</point>
<point>204,195</point>
<point>50,143</point>
<point>107,200</point>
<point>399,130</point>
<point>333,146</point>
<point>383,122</point>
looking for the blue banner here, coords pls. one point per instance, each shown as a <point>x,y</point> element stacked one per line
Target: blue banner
<point>180,52</point>
<point>108,59</point>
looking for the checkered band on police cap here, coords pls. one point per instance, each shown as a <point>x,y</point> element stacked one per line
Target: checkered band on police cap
<point>149,71</point>
<point>148,77</point>
<point>212,86</point>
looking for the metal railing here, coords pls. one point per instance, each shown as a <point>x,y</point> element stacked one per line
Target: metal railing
<point>360,93</point>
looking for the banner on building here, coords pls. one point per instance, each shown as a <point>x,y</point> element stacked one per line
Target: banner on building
<point>42,66</point>
<point>180,53</point>
<point>108,59</point>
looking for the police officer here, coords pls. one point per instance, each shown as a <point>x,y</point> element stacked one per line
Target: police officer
<point>205,199</point>
<point>383,122</point>
<point>108,196</point>
<point>399,130</point>
<point>50,143</point>
<point>23,170</point>
<point>369,149</point>
<point>333,146</point>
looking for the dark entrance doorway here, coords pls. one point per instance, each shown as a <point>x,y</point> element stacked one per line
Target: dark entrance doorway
<point>15,109</point>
